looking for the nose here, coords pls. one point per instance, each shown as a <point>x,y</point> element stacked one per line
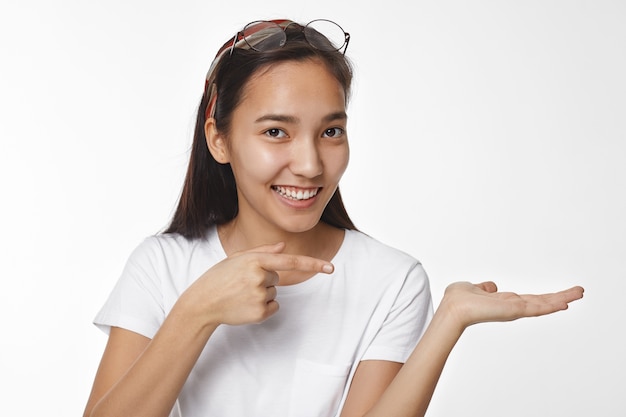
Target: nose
<point>306,160</point>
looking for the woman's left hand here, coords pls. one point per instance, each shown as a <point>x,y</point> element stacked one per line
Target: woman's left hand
<point>478,303</point>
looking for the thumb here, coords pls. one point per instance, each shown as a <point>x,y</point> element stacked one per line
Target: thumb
<point>488,286</point>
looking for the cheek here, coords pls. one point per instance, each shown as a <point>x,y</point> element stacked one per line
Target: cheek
<point>336,161</point>
<point>260,162</point>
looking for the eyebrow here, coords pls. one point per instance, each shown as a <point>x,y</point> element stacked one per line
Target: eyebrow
<point>340,115</point>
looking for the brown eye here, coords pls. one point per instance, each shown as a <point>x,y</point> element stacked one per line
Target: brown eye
<point>275,133</point>
<point>333,132</point>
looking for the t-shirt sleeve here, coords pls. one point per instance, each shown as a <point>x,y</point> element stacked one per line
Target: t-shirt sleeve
<point>406,321</point>
<point>136,302</point>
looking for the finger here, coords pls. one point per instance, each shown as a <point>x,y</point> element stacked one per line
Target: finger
<point>574,293</point>
<point>271,279</point>
<point>534,309</point>
<point>539,305</point>
<point>488,286</point>
<point>271,294</point>
<point>302,263</point>
<point>272,307</point>
<point>561,297</point>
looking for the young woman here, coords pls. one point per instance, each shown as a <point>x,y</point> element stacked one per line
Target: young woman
<point>194,322</point>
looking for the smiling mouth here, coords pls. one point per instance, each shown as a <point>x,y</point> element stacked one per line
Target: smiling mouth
<point>296,193</point>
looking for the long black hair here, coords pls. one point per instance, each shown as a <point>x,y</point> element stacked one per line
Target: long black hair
<point>209,195</point>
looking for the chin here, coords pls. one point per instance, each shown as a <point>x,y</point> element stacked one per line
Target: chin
<point>298,225</point>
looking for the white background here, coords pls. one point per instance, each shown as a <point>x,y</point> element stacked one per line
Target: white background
<point>488,140</point>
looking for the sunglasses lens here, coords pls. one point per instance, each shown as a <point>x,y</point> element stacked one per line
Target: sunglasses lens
<point>264,36</point>
<point>325,35</point>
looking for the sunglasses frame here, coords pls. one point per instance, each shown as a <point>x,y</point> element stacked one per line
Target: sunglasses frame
<point>282,24</point>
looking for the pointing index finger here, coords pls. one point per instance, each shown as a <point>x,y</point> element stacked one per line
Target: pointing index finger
<point>287,262</point>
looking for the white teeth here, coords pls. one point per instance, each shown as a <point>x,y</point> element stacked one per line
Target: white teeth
<point>296,195</point>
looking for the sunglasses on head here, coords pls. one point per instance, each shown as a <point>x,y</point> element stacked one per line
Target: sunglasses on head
<point>267,35</point>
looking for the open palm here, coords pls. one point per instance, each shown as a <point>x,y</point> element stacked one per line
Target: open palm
<point>476,303</point>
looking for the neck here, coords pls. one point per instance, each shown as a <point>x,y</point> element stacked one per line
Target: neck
<point>237,236</point>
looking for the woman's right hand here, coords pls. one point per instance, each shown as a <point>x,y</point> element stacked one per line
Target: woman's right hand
<point>238,290</point>
<point>241,289</point>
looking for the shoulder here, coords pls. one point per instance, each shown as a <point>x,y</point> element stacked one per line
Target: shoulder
<point>366,249</point>
<point>171,261</point>
<point>172,248</point>
<point>384,272</point>
<point>160,245</point>
<point>378,263</point>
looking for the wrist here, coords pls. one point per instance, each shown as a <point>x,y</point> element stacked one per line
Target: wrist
<point>451,316</point>
<point>186,310</point>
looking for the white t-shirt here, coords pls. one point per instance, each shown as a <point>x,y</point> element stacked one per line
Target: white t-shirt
<point>299,362</point>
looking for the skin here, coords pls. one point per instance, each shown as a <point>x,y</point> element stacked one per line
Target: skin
<point>289,131</point>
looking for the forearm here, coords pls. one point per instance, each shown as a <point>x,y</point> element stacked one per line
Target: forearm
<point>411,390</point>
<point>153,383</point>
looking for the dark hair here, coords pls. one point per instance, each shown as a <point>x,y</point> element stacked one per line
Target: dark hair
<point>209,195</point>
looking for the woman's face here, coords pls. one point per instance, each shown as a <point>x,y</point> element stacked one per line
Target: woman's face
<point>288,145</point>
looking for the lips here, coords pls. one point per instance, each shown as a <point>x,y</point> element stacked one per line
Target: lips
<point>297,194</point>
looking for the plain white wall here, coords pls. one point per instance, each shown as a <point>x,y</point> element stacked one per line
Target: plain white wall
<point>488,140</point>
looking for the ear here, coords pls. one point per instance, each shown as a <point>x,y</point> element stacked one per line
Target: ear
<point>215,142</point>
